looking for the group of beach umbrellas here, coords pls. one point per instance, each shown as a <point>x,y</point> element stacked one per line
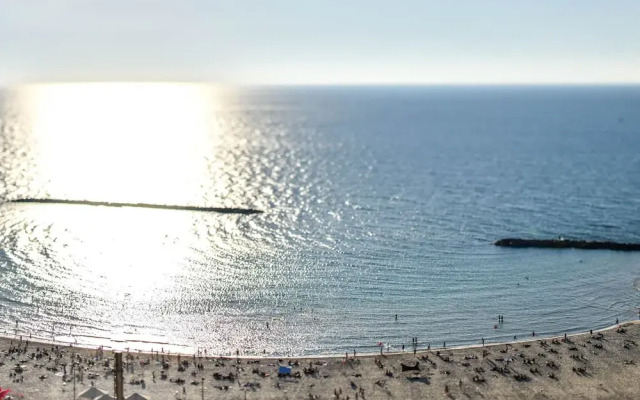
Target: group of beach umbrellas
<point>96,394</point>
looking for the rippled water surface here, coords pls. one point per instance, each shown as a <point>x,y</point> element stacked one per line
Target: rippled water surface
<point>377,202</point>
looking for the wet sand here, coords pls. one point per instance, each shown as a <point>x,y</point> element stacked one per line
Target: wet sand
<point>602,365</point>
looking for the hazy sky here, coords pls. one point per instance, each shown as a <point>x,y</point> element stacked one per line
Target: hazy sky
<point>323,41</point>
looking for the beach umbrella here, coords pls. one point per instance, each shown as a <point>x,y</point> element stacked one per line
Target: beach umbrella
<point>105,397</point>
<point>137,396</point>
<point>91,393</point>
<point>282,370</point>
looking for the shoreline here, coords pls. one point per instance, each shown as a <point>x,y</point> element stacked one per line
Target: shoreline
<point>605,364</point>
<point>488,342</point>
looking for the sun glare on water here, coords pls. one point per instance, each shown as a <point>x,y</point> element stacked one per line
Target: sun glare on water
<point>126,143</point>
<point>121,142</point>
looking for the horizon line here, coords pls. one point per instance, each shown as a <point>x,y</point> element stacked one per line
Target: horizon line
<point>320,84</point>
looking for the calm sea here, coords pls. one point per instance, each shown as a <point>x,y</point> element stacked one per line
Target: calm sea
<point>377,201</point>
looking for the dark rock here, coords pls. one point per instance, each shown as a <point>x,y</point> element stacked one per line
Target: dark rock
<point>568,244</point>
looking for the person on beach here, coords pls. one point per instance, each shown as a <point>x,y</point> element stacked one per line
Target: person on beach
<point>483,341</point>
<point>533,333</point>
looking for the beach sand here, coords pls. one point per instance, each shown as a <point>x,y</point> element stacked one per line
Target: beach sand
<point>602,365</point>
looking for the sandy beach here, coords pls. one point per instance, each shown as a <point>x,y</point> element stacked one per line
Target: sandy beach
<point>599,365</point>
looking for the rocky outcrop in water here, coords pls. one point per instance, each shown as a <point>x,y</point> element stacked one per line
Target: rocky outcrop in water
<point>224,210</point>
<point>568,244</point>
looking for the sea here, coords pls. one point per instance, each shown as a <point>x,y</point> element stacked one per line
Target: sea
<point>380,209</point>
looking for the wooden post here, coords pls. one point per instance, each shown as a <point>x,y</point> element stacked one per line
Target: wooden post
<point>119,381</point>
<point>73,372</point>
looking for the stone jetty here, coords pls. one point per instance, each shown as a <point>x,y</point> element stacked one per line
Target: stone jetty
<point>568,244</point>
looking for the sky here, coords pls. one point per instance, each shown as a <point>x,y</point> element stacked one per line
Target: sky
<point>321,42</point>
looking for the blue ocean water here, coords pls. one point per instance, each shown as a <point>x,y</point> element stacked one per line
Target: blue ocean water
<point>377,201</point>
